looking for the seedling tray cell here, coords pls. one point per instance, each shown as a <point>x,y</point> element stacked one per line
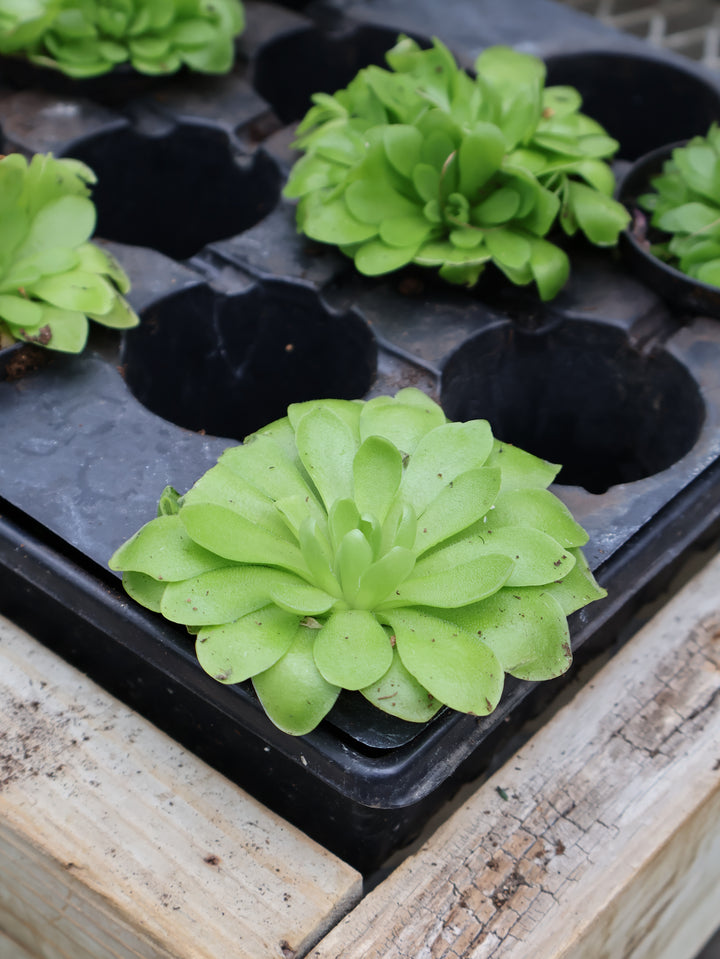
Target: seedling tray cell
<point>242,316</point>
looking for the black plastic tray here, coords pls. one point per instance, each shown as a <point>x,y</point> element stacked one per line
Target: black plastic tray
<point>241,316</point>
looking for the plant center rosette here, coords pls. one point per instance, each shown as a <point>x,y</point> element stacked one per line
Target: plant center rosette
<point>369,546</point>
<point>425,164</point>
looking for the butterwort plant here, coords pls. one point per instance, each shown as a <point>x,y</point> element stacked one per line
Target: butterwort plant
<point>424,164</point>
<point>684,204</point>
<point>53,279</point>
<point>87,38</point>
<point>369,546</point>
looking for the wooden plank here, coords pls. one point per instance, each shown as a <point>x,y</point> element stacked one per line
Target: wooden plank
<point>608,843</point>
<point>115,842</point>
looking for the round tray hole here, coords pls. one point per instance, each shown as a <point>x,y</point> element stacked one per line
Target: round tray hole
<point>177,191</point>
<point>578,395</point>
<point>641,101</point>
<point>230,364</point>
<point>288,70</point>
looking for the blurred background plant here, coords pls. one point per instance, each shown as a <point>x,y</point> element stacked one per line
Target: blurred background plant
<point>87,38</point>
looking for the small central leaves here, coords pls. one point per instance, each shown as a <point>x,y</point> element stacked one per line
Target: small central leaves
<point>356,558</point>
<point>347,547</point>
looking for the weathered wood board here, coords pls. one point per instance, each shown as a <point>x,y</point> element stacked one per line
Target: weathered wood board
<point>600,839</point>
<point>115,842</point>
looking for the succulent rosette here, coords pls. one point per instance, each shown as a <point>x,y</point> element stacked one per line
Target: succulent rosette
<point>424,164</point>
<point>685,206</point>
<point>87,38</point>
<point>23,22</point>
<point>369,546</point>
<point>52,278</point>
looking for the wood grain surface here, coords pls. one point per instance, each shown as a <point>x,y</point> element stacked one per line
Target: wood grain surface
<point>115,842</point>
<point>600,839</point>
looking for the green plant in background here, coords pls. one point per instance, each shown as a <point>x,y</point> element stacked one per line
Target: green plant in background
<point>52,279</point>
<point>23,22</point>
<point>686,205</point>
<point>368,546</point>
<point>86,38</point>
<point>424,164</point>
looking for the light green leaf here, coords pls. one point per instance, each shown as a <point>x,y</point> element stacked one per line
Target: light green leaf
<point>352,649</point>
<point>466,499</point>
<point>371,202</point>
<point>162,549</point>
<point>526,630</point>
<point>426,180</point>
<point>264,462</point>
<point>20,311</point>
<point>229,489</point>
<point>405,232</point>
<point>500,206</point>
<point>400,694</point>
<point>560,101</point>
<point>68,329</point>
<point>332,222</point>
<point>382,577</point>
<point>578,588</point>
<point>480,155</point>
<point>403,419</point>
<point>375,258</point>
<point>508,248</point>
<point>600,217</point>
<point>237,538</point>
<point>541,509</point>
<point>293,692</point>
<point>144,590</point>
<point>441,455</point>
<point>236,651</point>
<point>66,223</point>
<point>550,267</point>
<point>76,290</point>
<point>318,556</point>
<point>353,557</point>
<point>327,447</point>
<point>377,471</point>
<point>458,585</point>
<point>121,316</point>
<point>402,145</point>
<point>451,664</point>
<point>223,595</point>
<point>520,469</point>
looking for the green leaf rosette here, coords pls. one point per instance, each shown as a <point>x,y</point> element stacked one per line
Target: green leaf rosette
<point>424,164</point>
<point>23,22</point>
<point>685,206</point>
<point>369,546</point>
<point>87,38</point>
<point>52,278</point>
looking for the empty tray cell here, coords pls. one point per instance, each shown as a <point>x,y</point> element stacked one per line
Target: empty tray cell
<point>289,69</point>
<point>229,364</point>
<point>641,101</point>
<point>578,394</point>
<point>176,188</point>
